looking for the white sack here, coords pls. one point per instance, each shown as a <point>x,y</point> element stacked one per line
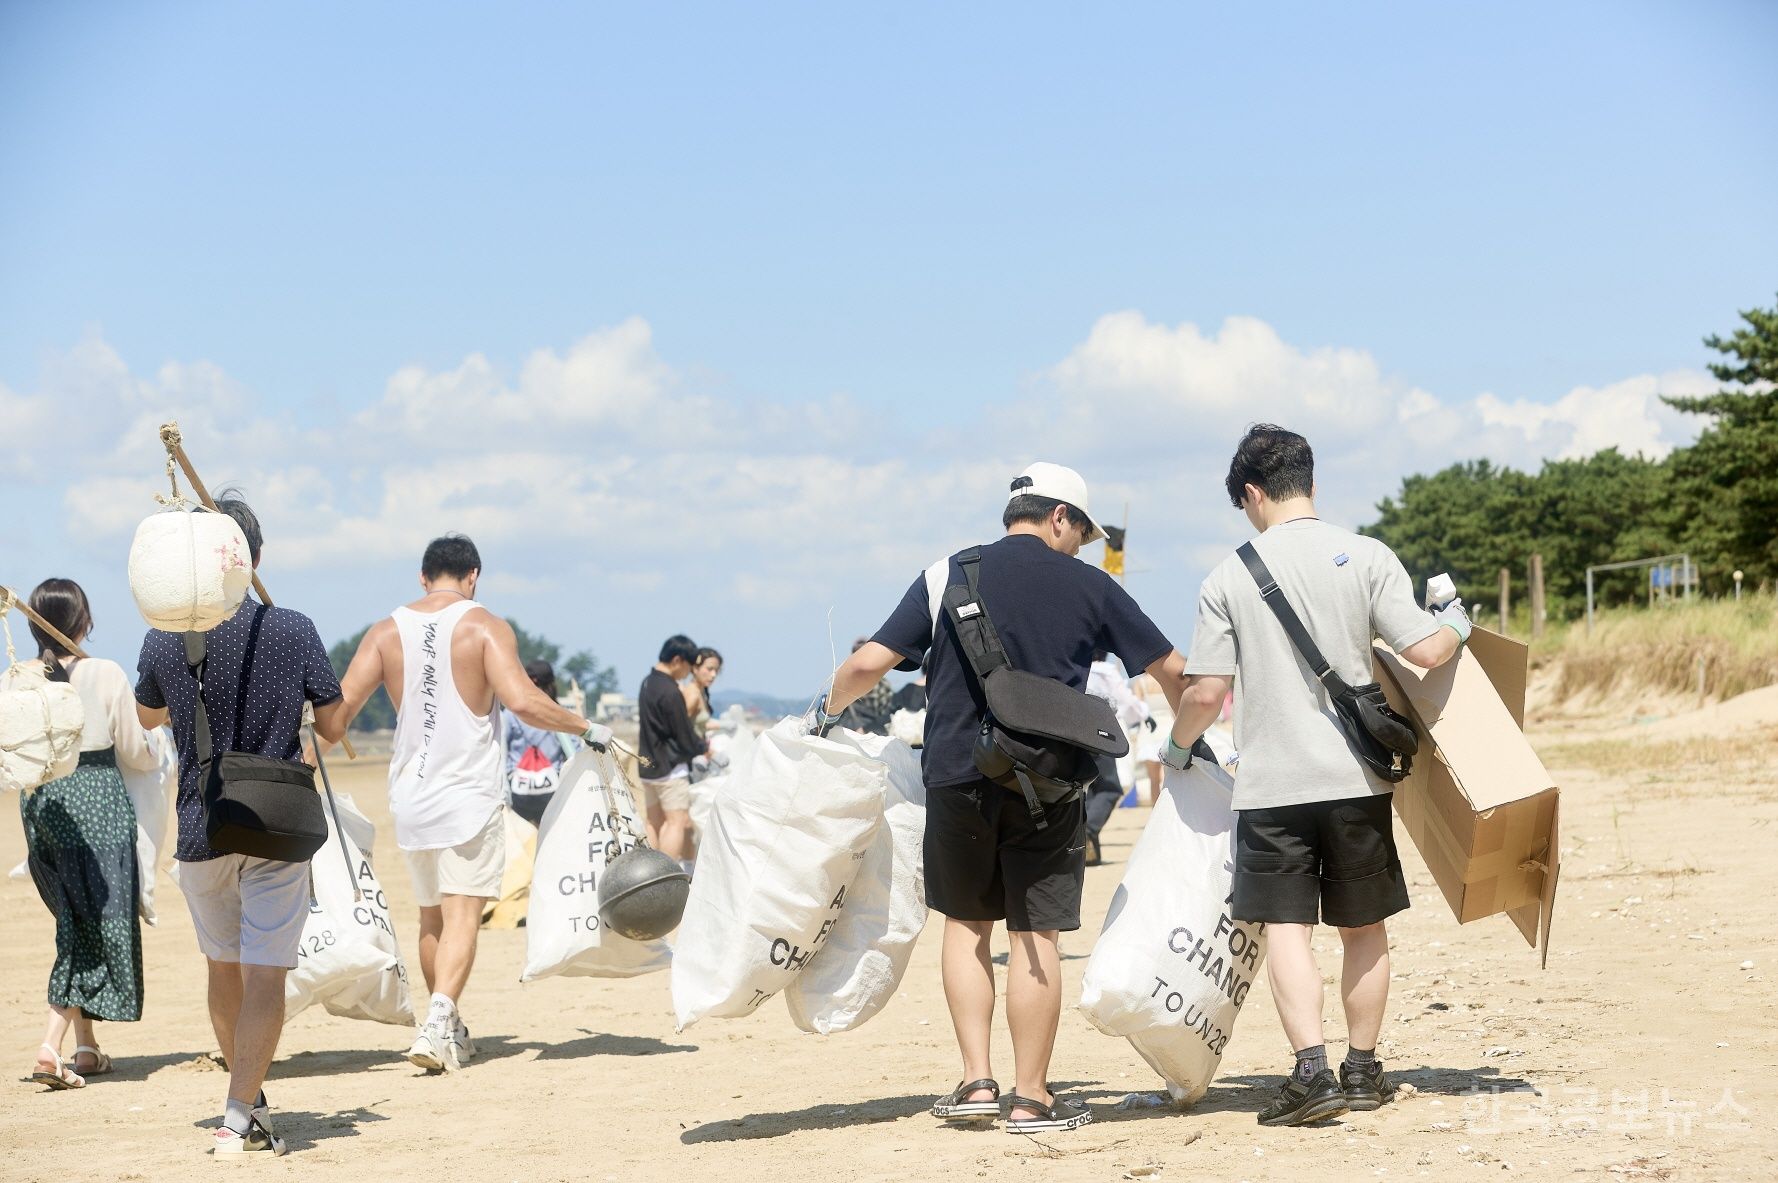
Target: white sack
<point>786,840</point>
<point>152,793</point>
<point>579,834</point>
<point>909,727</point>
<point>866,954</point>
<point>348,945</point>
<point>736,752</point>
<point>189,571</point>
<point>382,997</point>
<point>1171,968</point>
<point>40,726</point>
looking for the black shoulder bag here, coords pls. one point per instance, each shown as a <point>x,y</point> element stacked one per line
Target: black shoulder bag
<point>1039,736</point>
<point>253,805</point>
<point>1377,733</point>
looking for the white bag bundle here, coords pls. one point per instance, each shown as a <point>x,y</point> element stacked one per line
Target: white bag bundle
<point>348,948</point>
<point>784,846</point>
<point>40,726</point>
<point>189,571</point>
<point>382,997</point>
<point>866,954</point>
<point>1172,968</point>
<point>735,755</point>
<point>579,834</point>
<point>152,793</point>
<point>909,727</point>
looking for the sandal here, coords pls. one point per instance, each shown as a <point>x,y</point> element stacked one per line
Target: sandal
<point>102,1065</point>
<point>1060,1114</point>
<point>954,1106</point>
<point>63,1077</point>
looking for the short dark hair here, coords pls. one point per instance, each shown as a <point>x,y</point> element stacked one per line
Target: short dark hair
<point>1029,507</point>
<point>677,647</point>
<point>542,675</point>
<point>230,502</point>
<point>706,654</point>
<point>452,555</point>
<point>63,604</point>
<point>1277,462</point>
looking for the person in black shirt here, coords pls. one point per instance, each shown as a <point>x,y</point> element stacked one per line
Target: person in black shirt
<point>669,745</point>
<point>870,713</point>
<point>985,858</point>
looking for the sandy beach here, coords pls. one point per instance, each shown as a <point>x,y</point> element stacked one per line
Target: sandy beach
<point>1644,1051</point>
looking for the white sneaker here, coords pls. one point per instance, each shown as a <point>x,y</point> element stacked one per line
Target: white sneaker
<point>434,1050</point>
<point>462,1043</point>
<point>259,1140</point>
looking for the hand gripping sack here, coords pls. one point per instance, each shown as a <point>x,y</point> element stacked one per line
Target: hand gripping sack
<point>866,954</point>
<point>189,571</point>
<point>1171,968</point>
<point>339,954</point>
<point>381,997</point>
<point>152,792</point>
<point>40,725</point>
<point>786,841</point>
<point>581,831</point>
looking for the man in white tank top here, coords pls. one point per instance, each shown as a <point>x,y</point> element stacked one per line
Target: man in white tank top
<point>445,660</point>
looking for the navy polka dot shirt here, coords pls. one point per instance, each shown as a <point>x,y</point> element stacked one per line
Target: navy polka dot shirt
<point>290,667</point>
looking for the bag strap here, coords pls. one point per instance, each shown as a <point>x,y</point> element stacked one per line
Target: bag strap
<point>196,658</point>
<point>1293,624</point>
<point>975,628</point>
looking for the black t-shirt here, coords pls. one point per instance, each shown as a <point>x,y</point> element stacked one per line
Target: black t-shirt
<point>668,739</point>
<point>1052,613</point>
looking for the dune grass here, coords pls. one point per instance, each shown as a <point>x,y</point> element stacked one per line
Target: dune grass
<point>1659,647</point>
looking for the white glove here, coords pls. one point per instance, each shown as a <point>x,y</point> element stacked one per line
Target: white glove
<point>1453,617</point>
<point>596,736</point>
<point>1176,757</point>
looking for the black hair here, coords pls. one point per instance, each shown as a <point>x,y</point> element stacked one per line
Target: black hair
<point>679,646</point>
<point>453,555</point>
<point>1279,463</point>
<point>1029,507</point>
<point>704,654</point>
<point>230,502</point>
<point>63,604</point>
<point>542,675</point>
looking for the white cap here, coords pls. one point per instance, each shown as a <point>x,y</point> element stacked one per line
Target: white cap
<point>1058,483</point>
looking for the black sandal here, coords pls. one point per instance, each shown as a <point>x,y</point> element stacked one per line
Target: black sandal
<point>953,1106</point>
<point>1060,1114</point>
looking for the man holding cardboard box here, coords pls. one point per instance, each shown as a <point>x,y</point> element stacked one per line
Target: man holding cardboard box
<point>1313,841</point>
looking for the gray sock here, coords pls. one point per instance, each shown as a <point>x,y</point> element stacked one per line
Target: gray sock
<point>1310,1061</point>
<point>238,1116</point>
<point>1361,1057</point>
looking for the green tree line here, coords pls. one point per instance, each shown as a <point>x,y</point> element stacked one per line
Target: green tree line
<point>1716,499</point>
<point>379,713</point>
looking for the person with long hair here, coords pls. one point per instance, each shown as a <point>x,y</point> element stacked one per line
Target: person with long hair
<point>80,834</point>
<point>704,669</point>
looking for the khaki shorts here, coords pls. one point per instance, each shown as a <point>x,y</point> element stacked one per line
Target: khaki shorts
<point>674,795</point>
<point>247,910</point>
<point>472,868</point>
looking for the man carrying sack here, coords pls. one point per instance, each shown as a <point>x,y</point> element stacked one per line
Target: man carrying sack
<point>1007,632</point>
<point>1290,617</point>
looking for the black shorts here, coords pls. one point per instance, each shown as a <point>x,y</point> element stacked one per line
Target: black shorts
<point>1339,855</point>
<point>987,860</point>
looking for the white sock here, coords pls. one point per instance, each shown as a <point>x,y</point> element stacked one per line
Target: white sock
<point>443,1011</point>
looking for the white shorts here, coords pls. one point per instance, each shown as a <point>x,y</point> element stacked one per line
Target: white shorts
<point>472,868</point>
<point>247,910</point>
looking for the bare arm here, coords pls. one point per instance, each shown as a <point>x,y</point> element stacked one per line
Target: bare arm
<point>1198,706</point>
<point>362,678</point>
<point>520,695</point>
<point>858,673</point>
<point>1169,671</point>
<point>1434,651</point>
<point>331,721</point>
<point>151,717</point>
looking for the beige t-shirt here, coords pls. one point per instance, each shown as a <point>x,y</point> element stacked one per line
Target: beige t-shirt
<point>1348,589</point>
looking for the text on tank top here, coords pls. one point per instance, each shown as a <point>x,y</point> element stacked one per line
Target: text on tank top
<point>446,768</point>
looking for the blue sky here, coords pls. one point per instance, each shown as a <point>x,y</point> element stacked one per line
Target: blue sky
<point>711,318</point>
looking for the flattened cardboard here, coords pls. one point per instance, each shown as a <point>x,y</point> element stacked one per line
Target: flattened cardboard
<point>1479,805</point>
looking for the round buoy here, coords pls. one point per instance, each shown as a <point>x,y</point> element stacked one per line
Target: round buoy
<point>642,895</point>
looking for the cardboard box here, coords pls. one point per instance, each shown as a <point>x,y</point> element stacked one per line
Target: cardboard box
<point>1479,805</point>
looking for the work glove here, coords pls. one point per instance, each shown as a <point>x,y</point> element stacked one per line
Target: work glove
<point>817,722</point>
<point>1176,757</point>
<point>1453,617</point>
<point>1149,723</point>
<point>596,736</point>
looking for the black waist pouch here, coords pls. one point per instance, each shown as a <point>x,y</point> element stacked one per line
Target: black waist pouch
<point>1375,731</point>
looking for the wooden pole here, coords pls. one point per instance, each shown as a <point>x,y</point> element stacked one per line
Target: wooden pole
<point>1536,596</point>
<point>1506,587</point>
<point>175,445</point>
<point>10,598</point>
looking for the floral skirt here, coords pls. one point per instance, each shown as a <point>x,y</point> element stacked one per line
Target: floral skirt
<point>80,832</point>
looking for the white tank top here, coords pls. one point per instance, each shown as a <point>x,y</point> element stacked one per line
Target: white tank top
<point>445,772</point>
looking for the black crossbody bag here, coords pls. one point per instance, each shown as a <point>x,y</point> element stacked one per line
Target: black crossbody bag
<point>1377,733</point>
<point>253,805</point>
<point>1039,736</point>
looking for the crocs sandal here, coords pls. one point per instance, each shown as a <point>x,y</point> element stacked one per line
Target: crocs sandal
<point>63,1077</point>
<point>102,1065</point>
<point>954,1106</point>
<point>1060,1114</point>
